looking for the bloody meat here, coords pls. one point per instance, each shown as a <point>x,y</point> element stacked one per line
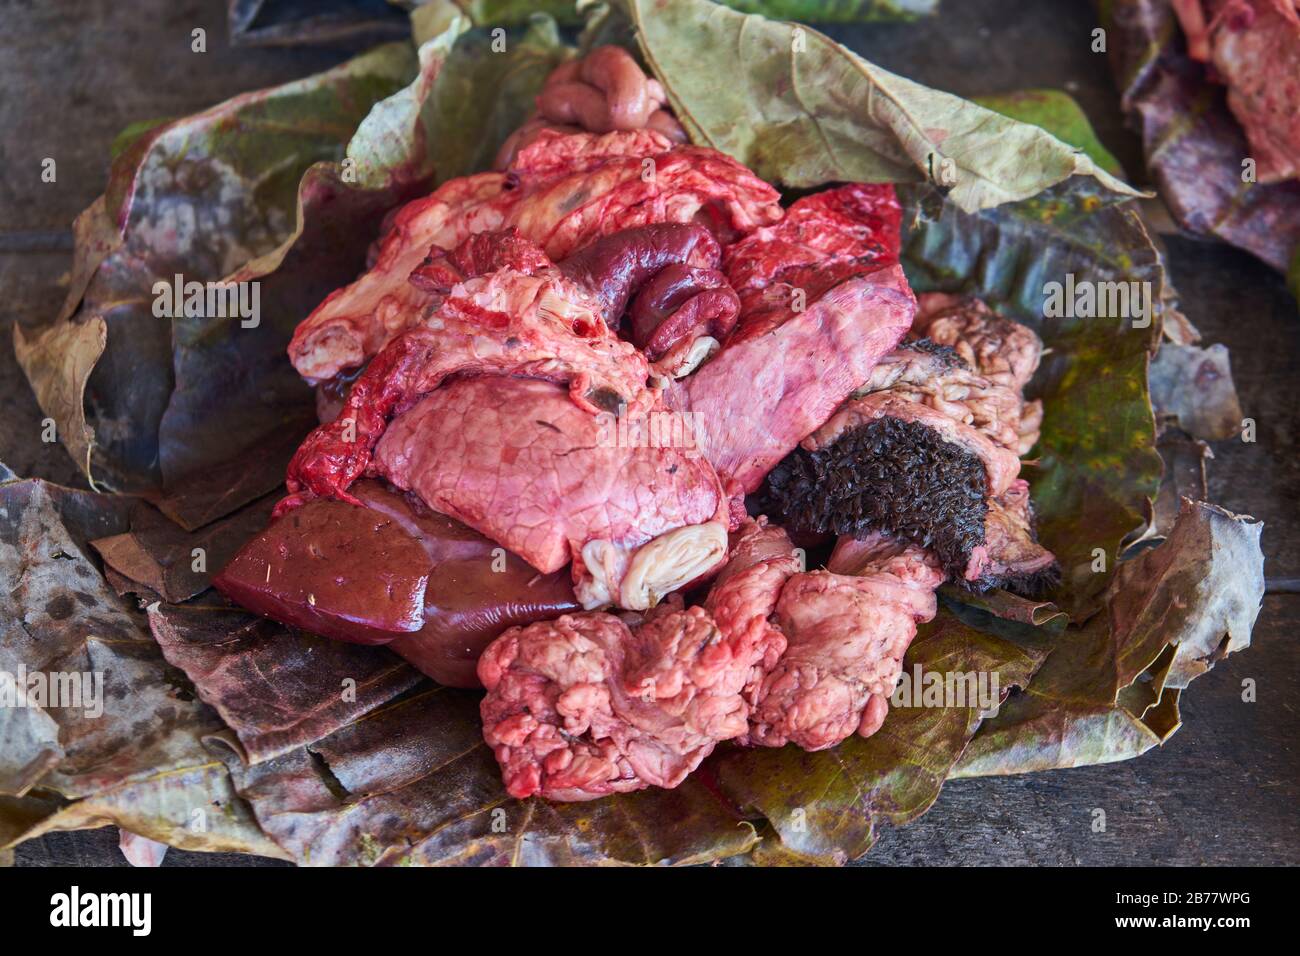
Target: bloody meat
<point>513,328</point>
<point>1253,47</point>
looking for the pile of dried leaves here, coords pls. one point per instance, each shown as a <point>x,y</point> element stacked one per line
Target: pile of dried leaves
<point>223,731</point>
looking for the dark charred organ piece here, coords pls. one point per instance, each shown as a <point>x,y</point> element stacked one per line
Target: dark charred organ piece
<point>889,476</point>
<point>946,354</point>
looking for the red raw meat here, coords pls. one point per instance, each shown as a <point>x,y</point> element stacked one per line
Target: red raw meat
<point>394,573</point>
<point>785,369</point>
<point>336,569</point>
<point>574,710</point>
<point>474,592</point>
<point>479,255</point>
<point>744,595</point>
<point>1254,48</point>
<point>822,240</point>
<point>679,307</point>
<point>563,191</point>
<point>1002,350</point>
<point>526,319</point>
<point>1011,552</point>
<point>846,634</point>
<point>543,325</point>
<point>517,460</point>
<point>587,705</point>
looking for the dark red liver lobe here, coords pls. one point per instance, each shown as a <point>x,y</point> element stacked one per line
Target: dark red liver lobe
<point>395,573</point>
<point>335,569</point>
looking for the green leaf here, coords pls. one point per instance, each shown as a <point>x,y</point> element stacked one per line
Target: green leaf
<point>1060,115</point>
<point>1110,691</point>
<point>826,806</point>
<point>513,12</point>
<point>801,110</point>
<point>568,12</point>
<point>483,96</point>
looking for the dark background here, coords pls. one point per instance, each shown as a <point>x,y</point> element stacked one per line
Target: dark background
<point>1224,790</point>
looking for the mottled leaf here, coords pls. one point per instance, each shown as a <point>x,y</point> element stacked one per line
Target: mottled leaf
<point>815,112</point>
<point>193,807</point>
<point>123,712</point>
<point>195,197</point>
<point>1193,388</point>
<point>1184,477</point>
<point>413,783</point>
<point>274,687</point>
<point>172,562</point>
<point>276,22</point>
<point>826,806</point>
<point>1060,115</point>
<point>1109,691</point>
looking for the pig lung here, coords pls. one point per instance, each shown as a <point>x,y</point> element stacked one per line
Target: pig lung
<point>517,460</point>
<point>822,299</point>
<point>506,323</point>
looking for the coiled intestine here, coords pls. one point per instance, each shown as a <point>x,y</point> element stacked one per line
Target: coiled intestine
<point>604,91</point>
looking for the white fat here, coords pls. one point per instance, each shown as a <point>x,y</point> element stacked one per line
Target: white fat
<point>686,357</point>
<point>595,589</point>
<point>671,560</point>
<point>555,306</point>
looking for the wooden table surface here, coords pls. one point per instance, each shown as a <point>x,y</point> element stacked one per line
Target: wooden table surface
<point>1224,790</point>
